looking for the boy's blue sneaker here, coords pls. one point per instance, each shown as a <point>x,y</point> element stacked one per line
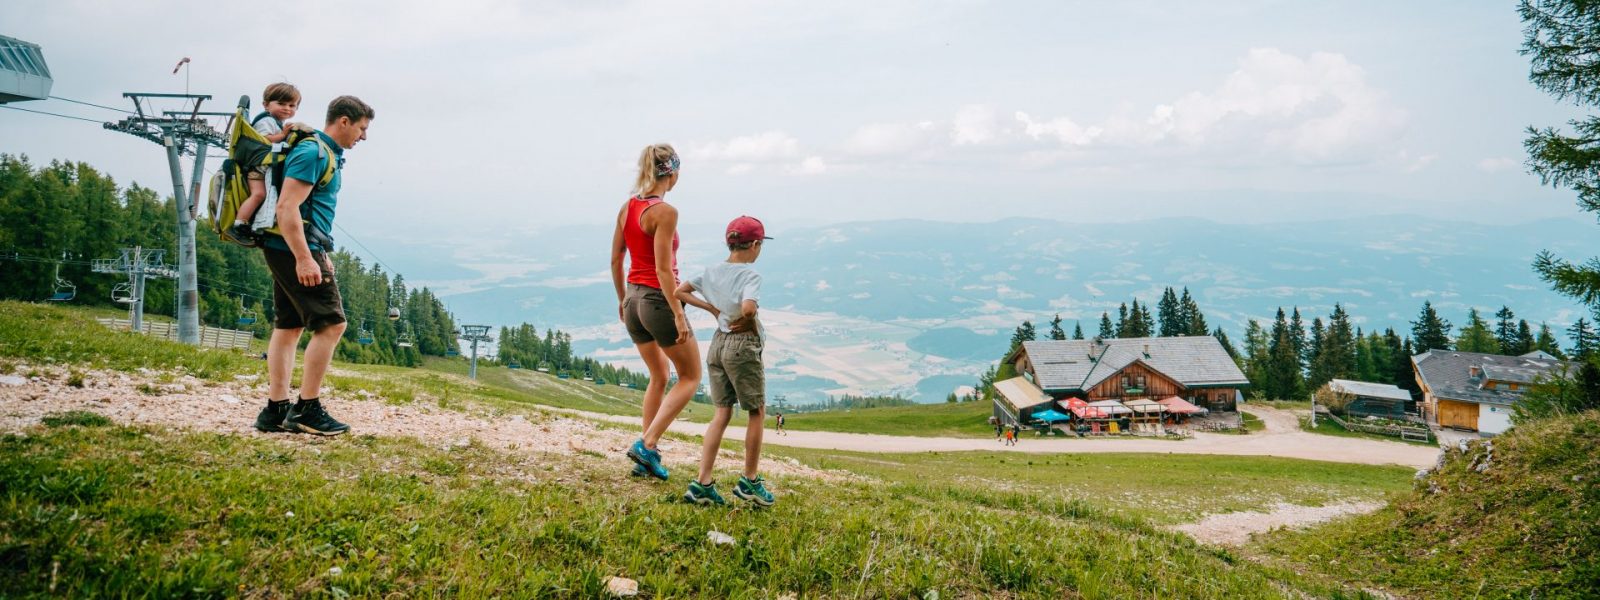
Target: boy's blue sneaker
<point>703,494</point>
<point>754,491</point>
<point>647,458</point>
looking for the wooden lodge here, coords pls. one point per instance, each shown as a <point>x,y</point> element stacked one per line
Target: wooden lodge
<point>1471,391</point>
<point>1195,369</point>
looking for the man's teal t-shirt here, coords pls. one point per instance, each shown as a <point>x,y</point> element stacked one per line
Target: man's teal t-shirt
<point>305,165</point>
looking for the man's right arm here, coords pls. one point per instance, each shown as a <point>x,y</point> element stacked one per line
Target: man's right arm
<point>292,228</point>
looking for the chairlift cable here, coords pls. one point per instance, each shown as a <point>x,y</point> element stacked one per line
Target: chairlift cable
<point>40,112</point>
<point>120,110</point>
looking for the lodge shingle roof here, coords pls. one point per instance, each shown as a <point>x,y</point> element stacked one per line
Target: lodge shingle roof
<point>1065,365</point>
<point>1448,374</point>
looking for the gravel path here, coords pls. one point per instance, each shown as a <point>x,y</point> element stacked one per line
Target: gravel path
<point>1282,437</point>
<point>191,404</point>
<point>1234,529</point>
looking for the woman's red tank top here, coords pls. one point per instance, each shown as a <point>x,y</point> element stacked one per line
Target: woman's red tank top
<point>642,246</point>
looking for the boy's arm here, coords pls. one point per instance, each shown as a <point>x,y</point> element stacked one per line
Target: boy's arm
<point>685,294</point>
<point>281,135</point>
<point>747,308</point>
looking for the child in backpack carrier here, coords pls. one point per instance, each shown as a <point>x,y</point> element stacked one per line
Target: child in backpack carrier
<point>279,102</point>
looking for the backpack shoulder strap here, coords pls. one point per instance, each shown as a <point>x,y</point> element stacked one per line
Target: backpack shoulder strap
<point>325,153</point>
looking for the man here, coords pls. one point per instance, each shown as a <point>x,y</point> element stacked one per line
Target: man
<point>304,293</point>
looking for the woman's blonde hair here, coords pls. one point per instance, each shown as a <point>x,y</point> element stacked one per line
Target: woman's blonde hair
<point>658,161</point>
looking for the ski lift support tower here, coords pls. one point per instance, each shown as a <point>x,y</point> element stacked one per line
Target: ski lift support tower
<point>475,334</point>
<point>180,132</point>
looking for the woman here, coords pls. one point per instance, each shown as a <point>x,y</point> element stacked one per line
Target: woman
<point>647,231</point>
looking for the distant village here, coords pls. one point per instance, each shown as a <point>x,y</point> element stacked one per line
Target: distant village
<point>1166,374</point>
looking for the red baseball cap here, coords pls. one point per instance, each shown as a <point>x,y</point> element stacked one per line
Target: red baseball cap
<point>745,229</point>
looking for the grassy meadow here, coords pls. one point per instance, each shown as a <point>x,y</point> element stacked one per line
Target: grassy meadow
<point>90,509</point>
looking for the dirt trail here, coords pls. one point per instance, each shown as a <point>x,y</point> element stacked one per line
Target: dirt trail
<point>1234,529</point>
<point>1282,437</point>
<point>190,404</point>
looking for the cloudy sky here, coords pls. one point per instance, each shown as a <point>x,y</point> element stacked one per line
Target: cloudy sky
<point>519,116</point>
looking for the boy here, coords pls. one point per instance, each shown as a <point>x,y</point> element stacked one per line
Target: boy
<point>732,290</point>
<point>280,101</point>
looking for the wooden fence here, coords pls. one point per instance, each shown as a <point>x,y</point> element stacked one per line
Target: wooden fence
<point>210,337</point>
<point>1408,433</point>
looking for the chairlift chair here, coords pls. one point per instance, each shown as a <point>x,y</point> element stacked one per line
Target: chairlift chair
<point>246,315</point>
<point>123,293</point>
<point>404,341</point>
<point>452,352</point>
<point>599,381</point>
<point>364,335</point>
<point>513,365</point>
<point>394,313</point>
<point>64,290</point>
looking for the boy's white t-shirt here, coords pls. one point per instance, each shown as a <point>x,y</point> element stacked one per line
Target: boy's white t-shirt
<point>726,286</point>
<point>267,124</point>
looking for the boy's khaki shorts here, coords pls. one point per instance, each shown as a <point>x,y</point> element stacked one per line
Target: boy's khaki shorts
<point>735,371</point>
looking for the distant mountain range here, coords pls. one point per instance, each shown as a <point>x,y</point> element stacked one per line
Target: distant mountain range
<point>944,297</point>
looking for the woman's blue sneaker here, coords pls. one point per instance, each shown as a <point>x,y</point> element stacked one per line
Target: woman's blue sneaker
<point>639,471</point>
<point>649,459</point>
<point>703,494</point>
<point>753,490</point>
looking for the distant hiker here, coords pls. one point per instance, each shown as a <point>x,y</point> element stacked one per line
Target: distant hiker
<point>779,422</point>
<point>279,103</point>
<point>731,291</point>
<point>647,231</point>
<point>1011,437</point>
<point>304,293</point>
<point>1016,433</point>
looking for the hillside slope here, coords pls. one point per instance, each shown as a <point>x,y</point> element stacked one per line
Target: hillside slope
<point>1517,516</point>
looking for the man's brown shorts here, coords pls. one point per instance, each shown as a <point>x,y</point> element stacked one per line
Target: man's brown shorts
<point>735,371</point>
<point>648,318</point>
<point>295,306</point>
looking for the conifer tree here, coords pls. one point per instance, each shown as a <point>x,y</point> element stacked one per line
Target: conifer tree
<point>1056,333</point>
<point>1546,342</point>
<point>1476,336</point>
<point>1256,354</point>
<point>1313,358</point>
<point>1122,321</point>
<point>1297,335</point>
<point>1167,317</point>
<point>1405,374</point>
<point>1284,378</point>
<point>1505,332</point>
<point>1585,341</point>
<point>1107,329</point>
<point>1194,321</point>
<point>1562,38</point>
<point>1077,330</point>
<point>1227,346</point>
<point>1024,333</point>
<point>1429,332</point>
<point>1525,342</point>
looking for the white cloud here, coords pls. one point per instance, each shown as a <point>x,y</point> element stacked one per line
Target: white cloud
<point>884,139</point>
<point>1497,164</point>
<point>1273,106</point>
<point>761,147</point>
<point>821,286</point>
<point>974,124</point>
<point>1411,164</point>
<point>812,165</point>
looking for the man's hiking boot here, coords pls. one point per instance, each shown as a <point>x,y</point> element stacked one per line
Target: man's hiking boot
<point>271,419</point>
<point>703,494</point>
<point>753,491</point>
<point>308,416</point>
<point>243,234</point>
<point>647,458</point>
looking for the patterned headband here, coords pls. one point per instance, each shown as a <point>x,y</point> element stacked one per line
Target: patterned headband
<point>669,167</point>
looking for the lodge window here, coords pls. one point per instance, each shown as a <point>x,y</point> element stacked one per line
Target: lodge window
<point>1140,381</point>
<point>1124,381</point>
